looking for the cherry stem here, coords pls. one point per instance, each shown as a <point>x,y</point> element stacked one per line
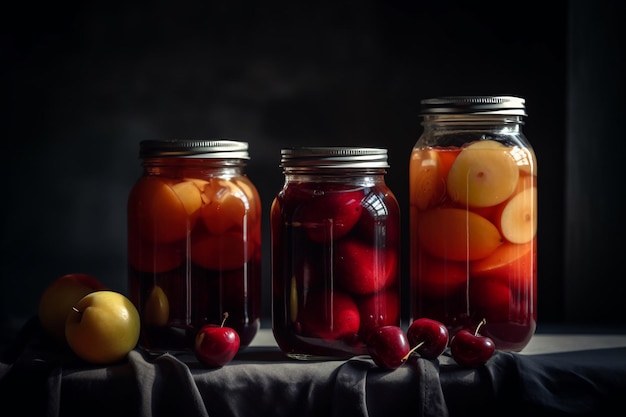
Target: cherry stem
<point>419,345</point>
<point>482,322</point>
<point>224,320</point>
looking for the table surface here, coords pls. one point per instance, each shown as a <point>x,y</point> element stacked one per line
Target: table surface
<point>565,371</point>
<point>541,343</point>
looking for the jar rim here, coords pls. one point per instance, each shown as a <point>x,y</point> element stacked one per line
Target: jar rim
<point>333,157</point>
<point>192,148</point>
<point>500,105</point>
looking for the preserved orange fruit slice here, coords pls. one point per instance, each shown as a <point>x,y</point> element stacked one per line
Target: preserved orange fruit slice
<point>164,211</point>
<point>457,234</point>
<point>518,219</point>
<point>428,186</point>
<point>509,261</point>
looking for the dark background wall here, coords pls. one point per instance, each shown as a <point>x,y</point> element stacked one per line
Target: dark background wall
<point>83,83</point>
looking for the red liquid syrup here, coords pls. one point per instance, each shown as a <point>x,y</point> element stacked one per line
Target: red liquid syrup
<point>473,239</point>
<point>335,267</point>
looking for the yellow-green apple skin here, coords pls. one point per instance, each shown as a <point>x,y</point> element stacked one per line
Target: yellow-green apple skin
<point>103,327</point>
<point>57,299</point>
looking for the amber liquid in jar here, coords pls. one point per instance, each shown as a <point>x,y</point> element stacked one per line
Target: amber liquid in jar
<point>194,243</point>
<point>473,216</point>
<point>335,254</point>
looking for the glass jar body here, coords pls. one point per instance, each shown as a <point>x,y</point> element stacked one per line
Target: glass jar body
<point>194,250</point>
<point>473,227</point>
<point>335,262</point>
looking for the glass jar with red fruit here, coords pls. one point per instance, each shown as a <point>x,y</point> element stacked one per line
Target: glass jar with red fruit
<point>335,251</point>
<point>194,242</point>
<point>473,218</point>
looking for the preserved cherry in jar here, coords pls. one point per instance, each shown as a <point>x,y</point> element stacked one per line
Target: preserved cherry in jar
<point>194,242</point>
<point>335,252</point>
<point>473,219</point>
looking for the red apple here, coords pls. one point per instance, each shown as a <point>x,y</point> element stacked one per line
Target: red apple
<point>378,309</point>
<point>330,316</point>
<point>330,214</point>
<point>59,297</point>
<point>364,269</point>
<point>215,346</point>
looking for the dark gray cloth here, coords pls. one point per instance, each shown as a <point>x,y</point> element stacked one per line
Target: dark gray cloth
<point>37,379</point>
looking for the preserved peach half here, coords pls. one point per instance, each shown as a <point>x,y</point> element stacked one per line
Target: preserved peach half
<point>164,211</point>
<point>224,252</point>
<point>492,213</point>
<point>201,185</point>
<point>428,186</point>
<point>508,261</point>
<point>484,174</point>
<point>457,234</point>
<point>518,220</point>
<point>253,199</point>
<point>156,308</point>
<point>189,195</point>
<point>225,208</point>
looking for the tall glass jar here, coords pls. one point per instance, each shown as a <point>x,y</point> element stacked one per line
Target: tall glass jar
<point>194,242</point>
<point>473,219</point>
<point>335,251</point>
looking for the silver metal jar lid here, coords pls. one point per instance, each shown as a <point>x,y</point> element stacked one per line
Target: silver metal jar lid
<point>187,148</point>
<point>505,105</point>
<point>333,157</point>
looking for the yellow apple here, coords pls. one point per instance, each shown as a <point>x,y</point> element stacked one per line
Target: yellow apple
<point>57,300</point>
<point>103,327</point>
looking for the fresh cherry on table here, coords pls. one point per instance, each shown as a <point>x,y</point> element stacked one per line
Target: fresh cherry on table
<point>471,349</point>
<point>215,346</point>
<point>388,347</point>
<point>428,337</point>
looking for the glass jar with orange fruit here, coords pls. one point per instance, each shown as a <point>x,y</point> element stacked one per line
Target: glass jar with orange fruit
<point>194,242</point>
<point>473,218</point>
